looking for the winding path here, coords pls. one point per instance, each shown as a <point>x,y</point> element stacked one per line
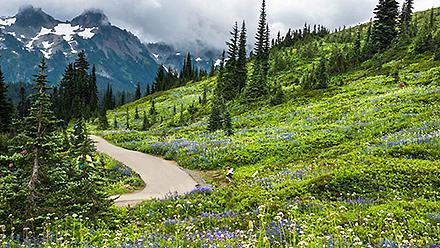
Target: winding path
<point>160,176</point>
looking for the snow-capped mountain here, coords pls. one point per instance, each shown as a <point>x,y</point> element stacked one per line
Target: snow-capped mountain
<point>169,56</point>
<point>121,59</point>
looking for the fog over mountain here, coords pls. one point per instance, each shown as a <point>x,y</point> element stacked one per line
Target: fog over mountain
<point>186,23</point>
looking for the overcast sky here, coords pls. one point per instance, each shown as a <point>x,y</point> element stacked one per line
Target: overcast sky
<point>183,21</point>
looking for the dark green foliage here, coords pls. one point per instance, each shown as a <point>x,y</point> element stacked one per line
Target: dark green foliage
<point>6,108</point>
<point>215,117</point>
<point>48,180</point>
<point>367,51</point>
<point>227,123</point>
<point>385,24</point>
<point>188,71</point>
<point>257,86</point>
<point>318,77</point>
<point>405,18</point>
<point>321,74</point>
<point>108,101</point>
<point>145,122</point>
<point>227,84</point>
<point>76,96</point>
<point>241,69</point>
<point>204,98</point>
<point>137,94</point>
<point>115,121</point>
<point>181,117</point>
<point>136,114</point>
<point>127,120</point>
<point>356,54</point>
<point>24,104</point>
<point>103,121</point>
<point>122,101</point>
<point>424,41</point>
<point>277,94</point>
<point>153,110</point>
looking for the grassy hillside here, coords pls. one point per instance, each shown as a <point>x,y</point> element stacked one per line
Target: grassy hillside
<point>354,165</point>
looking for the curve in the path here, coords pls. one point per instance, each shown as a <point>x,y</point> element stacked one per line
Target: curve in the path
<point>160,176</point>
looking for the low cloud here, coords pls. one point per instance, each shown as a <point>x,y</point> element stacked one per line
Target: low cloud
<point>183,22</point>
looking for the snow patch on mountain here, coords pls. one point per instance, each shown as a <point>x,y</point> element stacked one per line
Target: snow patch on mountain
<point>66,30</point>
<point>156,56</point>
<point>87,33</point>
<point>7,22</point>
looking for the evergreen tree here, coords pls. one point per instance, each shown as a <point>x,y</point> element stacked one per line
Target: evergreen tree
<point>93,91</point>
<point>137,94</point>
<point>406,17</point>
<point>127,120</point>
<point>424,40</point>
<point>40,127</point>
<point>77,92</point>
<point>367,51</point>
<point>153,110</point>
<point>136,114</point>
<point>357,47</point>
<point>108,98</point>
<point>159,82</point>
<point>241,71</point>
<point>277,94</point>
<point>227,123</point>
<point>145,122</point>
<point>385,24</point>
<point>122,102</point>
<point>24,103</point>
<point>103,121</point>
<point>6,107</point>
<point>204,99</point>
<point>229,84</point>
<point>115,121</point>
<point>258,85</point>
<point>215,117</point>
<point>182,117</point>
<point>321,74</point>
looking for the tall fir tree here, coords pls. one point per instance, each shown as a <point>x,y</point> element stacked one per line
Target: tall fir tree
<point>229,84</point>
<point>357,47</point>
<point>93,91</point>
<point>24,104</point>
<point>122,102</point>
<point>215,117</point>
<point>136,114</point>
<point>127,120</point>
<point>241,60</point>
<point>153,110</point>
<point>258,87</point>
<point>40,127</point>
<point>406,18</point>
<point>6,108</point>
<point>145,122</point>
<point>115,121</point>
<point>137,94</point>
<point>227,123</point>
<point>385,24</point>
<point>367,50</point>
<point>103,121</point>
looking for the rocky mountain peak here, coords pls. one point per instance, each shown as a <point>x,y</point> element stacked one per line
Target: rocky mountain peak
<point>91,18</point>
<point>28,16</point>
